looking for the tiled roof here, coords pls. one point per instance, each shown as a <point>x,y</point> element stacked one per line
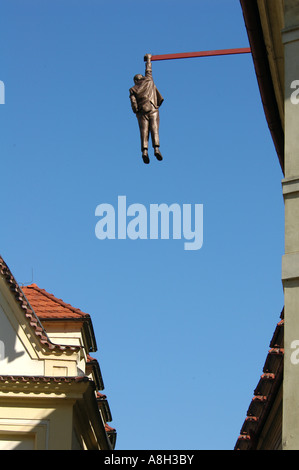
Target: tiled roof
<point>264,393</point>
<point>47,306</point>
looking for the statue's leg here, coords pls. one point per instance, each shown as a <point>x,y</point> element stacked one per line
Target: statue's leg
<point>154,121</point>
<point>154,129</point>
<point>144,135</point>
<point>144,130</point>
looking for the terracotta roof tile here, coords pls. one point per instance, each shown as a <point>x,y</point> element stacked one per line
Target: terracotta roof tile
<point>47,306</point>
<point>109,428</point>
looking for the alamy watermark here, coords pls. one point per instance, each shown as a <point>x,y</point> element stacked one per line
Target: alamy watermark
<point>294,95</point>
<point>137,222</point>
<point>2,350</point>
<point>2,92</point>
<point>295,353</point>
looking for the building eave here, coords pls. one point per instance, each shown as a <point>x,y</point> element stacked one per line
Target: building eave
<point>263,64</point>
<point>265,392</point>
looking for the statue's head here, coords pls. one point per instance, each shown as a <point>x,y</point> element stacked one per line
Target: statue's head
<point>138,77</point>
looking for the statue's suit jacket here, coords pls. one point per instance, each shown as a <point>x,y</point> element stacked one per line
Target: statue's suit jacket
<point>144,95</point>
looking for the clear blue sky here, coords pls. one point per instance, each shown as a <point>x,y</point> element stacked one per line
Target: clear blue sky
<point>182,335</point>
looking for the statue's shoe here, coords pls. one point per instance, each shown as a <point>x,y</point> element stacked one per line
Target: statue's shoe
<point>145,157</point>
<point>158,155</point>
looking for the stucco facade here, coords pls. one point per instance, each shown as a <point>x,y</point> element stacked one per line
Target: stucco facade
<point>290,262</point>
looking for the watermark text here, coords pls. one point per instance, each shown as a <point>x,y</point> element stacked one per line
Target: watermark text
<point>137,222</point>
<point>2,351</point>
<point>295,94</point>
<point>2,92</point>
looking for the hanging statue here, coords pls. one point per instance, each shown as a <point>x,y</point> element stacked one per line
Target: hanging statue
<point>145,102</point>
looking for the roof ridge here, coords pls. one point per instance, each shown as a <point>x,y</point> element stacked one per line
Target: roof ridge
<point>57,300</point>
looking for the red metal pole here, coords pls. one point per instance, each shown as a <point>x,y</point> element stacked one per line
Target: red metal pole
<point>187,55</point>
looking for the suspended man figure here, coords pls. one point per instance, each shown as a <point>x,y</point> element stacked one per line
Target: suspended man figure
<point>145,102</point>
